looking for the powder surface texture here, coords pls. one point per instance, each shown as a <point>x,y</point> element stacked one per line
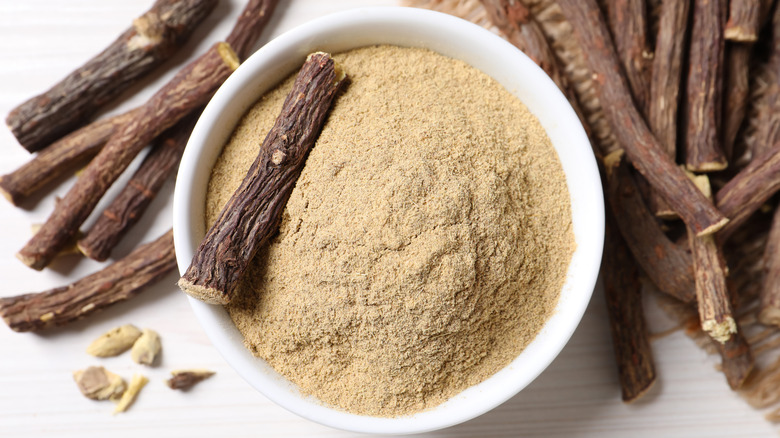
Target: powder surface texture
<point>424,245</point>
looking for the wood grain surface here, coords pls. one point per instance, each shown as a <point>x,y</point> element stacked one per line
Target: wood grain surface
<point>578,396</point>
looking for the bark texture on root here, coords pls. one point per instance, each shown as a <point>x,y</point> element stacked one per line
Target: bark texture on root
<point>737,91</point>
<point>151,40</point>
<point>131,203</point>
<point>59,158</point>
<point>628,23</point>
<point>665,85</point>
<point>748,190</point>
<point>117,282</point>
<point>622,289</point>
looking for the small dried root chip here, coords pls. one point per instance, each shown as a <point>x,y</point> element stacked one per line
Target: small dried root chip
<point>138,382</point>
<point>146,348</point>
<point>98,384</point>
<point>185,379</point>
<point>114,341</point>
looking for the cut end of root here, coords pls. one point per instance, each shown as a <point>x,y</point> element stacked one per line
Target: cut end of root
<point>702,182</point>
<point>6,194</point>
<point>313,54</point>
<point>613,160</point>
<point>720,331</point>
<point>206,294</point>
<point>639,392</point>
<point>740,34</point>
<point>5,303</point>
<point>29,261</point>
<point>714,228</point>
<point>770,315</point>
<point>82,247</point>
<point>667,215</point>
<point>228,55</point>
<point>340,73</point>
<point>712,166</point>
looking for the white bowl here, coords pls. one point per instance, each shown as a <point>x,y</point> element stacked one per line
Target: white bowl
<point>452,37</point>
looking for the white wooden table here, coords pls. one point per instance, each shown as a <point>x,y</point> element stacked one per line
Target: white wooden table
<point>578,396</point>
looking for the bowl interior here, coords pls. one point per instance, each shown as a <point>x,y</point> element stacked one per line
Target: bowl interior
<point>451,37</point>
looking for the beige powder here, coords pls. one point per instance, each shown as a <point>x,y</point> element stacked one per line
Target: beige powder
<point>424,245</point>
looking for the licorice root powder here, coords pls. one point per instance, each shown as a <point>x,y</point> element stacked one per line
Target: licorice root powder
<point>425,243</point>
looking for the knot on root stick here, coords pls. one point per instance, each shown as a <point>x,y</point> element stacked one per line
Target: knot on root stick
<point>278,156</point>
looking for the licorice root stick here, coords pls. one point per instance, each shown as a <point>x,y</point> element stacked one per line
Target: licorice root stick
<point>629,126</point>
<point>666,86</point>
<point>628,22</point>
<point>71,102</point>
<point>253,211</point>
<point>131,203</point>
<point>736,93</point>
<point>117,282</point>
<point>703,148</point>
<point>715,312</point>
